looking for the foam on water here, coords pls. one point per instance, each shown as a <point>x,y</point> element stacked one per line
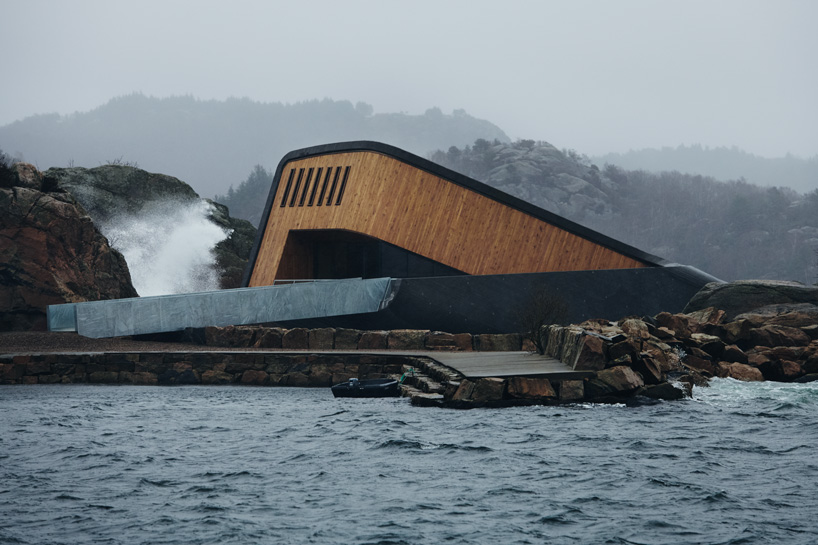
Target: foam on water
<point>731,394</point>
<point>169,247</point>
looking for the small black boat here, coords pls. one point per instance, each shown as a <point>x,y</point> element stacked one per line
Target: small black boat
<point>378,387</point>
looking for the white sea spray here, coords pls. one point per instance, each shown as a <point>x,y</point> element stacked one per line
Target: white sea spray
<point>168,247</point>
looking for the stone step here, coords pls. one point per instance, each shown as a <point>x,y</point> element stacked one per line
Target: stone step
<point>423,383</point>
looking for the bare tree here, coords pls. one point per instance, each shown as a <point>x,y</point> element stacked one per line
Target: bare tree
<point>544,308</point>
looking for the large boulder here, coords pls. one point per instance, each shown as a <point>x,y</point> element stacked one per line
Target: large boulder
<point>743,296</point>
<point>616,381</point>
<point>51,253</point>
<point>530,388</point>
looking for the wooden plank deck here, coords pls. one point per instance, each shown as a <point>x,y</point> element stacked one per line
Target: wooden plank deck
<point>506,364</point>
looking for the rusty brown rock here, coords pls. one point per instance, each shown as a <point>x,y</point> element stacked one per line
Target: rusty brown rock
<point>790,370</point>
<point>254,378</point>
<point>628,347</point>
<point>635,329</point>
<point>373,340</point>
<point>322,339</point>
<point>464,391</point>
<point>738,331</point>
<point>530,388</point>
<point>740,371</point>
<point>664,334</point>
<point>439,340</point>
<point>648,369</point>
<point>733,354</point>
<point>785,352</point>
<point>679,324</point>
<point>781,370</point>
<point>230,336</point>
<point>664,391</point>
<point>810,365</point>
<point>709,315</point>
<point>216,377</point>
<point>571,390</point>
<point>296,339</point>
<point>591,356</point>
<point>700,364</point>
<point>487,390</point>
<point>464,342</point>
<point>269,337</point>
<point>777,335</point>
<point>407,339</point>
<point>710,344</point>
<point>347,339</point>
<point>621,379</point>
<point>51,253</point>
<point>507,342</point>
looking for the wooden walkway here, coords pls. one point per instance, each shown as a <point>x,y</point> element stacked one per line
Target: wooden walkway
<point>506,364</point>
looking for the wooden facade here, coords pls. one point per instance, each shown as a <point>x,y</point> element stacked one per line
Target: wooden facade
<point>377,192</point>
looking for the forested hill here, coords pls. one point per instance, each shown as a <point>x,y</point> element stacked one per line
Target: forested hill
<point>214,144</point>
<point>732,230</point>
<point>723,164</point>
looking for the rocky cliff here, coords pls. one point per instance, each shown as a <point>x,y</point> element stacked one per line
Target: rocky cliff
<point>50,251</point>
<point>112,192</point>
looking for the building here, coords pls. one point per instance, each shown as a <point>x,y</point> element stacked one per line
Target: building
<point>462,256</point>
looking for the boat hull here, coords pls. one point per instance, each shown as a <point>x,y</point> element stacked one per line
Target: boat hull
<point>367,388</point>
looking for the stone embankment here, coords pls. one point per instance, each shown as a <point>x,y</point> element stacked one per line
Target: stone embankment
<point>633,360</point>
<point>177,368</point>
<point>353,339</point>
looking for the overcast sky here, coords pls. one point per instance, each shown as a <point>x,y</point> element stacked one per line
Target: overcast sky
<point>596,76</point>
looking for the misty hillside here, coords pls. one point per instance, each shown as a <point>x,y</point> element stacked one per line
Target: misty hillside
<point>723,164</point>
<point>732,230</point>
<point>214,144</point>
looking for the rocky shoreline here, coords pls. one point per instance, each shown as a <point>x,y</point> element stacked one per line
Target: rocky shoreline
<point>632,361</point>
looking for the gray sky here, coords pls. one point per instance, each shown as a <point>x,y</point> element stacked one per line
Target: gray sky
<point>596,76</point>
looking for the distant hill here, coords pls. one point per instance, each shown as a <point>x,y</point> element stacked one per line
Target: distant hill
<point>732,230</point>
<point>214,144</point>
<point>723,164</point>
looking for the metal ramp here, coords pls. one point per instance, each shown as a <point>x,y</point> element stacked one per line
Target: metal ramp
<point>296,301</point>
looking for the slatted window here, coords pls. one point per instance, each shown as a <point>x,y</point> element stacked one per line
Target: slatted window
<point>315,187</point>
<point>343,186</point>
<point>287,188</point>
<point>306,188</point>
<point>324,187</point>
<point>334,186</point>
<point>297,186</point>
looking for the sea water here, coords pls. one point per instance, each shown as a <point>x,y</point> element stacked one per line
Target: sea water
<point>193,465</point>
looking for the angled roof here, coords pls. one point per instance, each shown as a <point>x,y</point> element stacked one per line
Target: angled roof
<point>276,209</point>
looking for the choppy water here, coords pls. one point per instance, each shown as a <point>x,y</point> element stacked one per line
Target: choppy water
<point>189,465</point>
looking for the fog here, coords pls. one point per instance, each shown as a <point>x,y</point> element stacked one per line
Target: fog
<point>595,76</point>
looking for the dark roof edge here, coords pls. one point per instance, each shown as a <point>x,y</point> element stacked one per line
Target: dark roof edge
<point>451,176</point>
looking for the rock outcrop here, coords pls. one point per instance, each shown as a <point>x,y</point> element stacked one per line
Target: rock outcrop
<point>692,348</point>
<point>112,191</point>
<point>50,252</point>
<point>742,296</point>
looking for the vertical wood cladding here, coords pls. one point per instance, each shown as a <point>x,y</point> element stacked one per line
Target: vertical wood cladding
<point>380,196</point>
